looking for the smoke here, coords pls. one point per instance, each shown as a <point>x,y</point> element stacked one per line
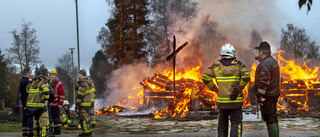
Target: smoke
<point>228,21</point>
<point>125,80</point>
<point>218,22</point>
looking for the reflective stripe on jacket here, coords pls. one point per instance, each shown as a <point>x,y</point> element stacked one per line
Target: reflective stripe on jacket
<point>222,76</point>
<point>267,77</point>
<point>85,92</point>
<point>64,118</point>
<point>59,94</point>
<point>38,93</point>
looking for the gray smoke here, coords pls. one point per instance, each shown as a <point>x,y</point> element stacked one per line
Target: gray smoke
<point>218,22</point>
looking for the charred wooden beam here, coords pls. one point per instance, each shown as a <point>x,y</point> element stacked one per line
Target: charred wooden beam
<point>161,85</point>
<point>289,86</point>
<point>161,76</point>
<point>316,85</point>
<point>285,92</point>
<point>176,51</point>
<point>159,93</point>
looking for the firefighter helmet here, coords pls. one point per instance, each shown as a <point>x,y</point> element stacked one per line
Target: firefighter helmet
<point>227,50</point>
<point>53,72</point>
<point>65,102</point>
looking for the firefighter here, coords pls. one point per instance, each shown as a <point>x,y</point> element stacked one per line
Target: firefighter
<point>65,116</point>
<point>85,93</point>
<point>57,103</point>
<point>228,77</point>
<point>267,87</point>
<point>27,123</point>
<point>91,111</point>
<point>37,101</point>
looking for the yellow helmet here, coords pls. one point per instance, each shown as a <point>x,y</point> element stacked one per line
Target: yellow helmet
<point>53,72</point>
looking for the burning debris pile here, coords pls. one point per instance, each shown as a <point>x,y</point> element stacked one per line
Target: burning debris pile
<point>300,90</point>
<point>176,98</point>
<point>161,97</point>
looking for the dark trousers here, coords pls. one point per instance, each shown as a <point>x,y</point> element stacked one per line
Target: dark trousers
<point>55,115</point>
<point>27,122</point>
<point>269,110</point>
<point>236,122</point>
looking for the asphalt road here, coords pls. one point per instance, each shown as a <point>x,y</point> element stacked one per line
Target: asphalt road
<point>188,134</point>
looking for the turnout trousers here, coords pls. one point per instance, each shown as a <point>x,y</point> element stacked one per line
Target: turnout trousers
<point>27,122</point>
<point>84,119</point>
<point>236,122</point>
<point>40,122</point>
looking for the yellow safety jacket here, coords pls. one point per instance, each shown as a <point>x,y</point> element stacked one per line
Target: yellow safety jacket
<point>64,118</point>
<point>221,78</point>
<point>85,92</point>
<point>38,91</point>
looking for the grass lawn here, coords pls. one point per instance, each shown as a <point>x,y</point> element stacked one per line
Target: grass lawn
<point>10,127</point>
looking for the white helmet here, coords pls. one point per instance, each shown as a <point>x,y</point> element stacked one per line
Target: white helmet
<point>227,50</point>
<point>65,102</point>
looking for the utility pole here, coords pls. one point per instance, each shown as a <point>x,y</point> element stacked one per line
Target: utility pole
<point>73,87</point>
<point>78,47</point>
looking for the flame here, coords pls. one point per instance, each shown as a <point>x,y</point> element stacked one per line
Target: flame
<point>304,76</point>
<point>290,70</point>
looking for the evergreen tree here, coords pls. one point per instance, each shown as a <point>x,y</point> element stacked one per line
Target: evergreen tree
<point>126,27</point>
<point>98,70</point>
<point>165,15</point>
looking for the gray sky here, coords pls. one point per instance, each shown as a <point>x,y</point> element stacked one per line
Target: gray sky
<point>55,22</point>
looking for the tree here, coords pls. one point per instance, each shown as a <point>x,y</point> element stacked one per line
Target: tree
<point>3,78</point>
<point>166,16</point>
<point>9,81</point>
<point>305,2</point>
<point>25,47</point>
<point>98,70</point>
<point>255,39</point>
<point>126,40</point>
<point>64,70</point>
<point>254,42</point>
<point>296,44</point>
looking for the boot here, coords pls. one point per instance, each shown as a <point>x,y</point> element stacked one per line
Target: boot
<point>85,134</point>
<point>57,131</point>
<point>273,130</point>
<point>278,129</point>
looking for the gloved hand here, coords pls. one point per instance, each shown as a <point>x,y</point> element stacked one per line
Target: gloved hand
<point>260,93</point>
<point>260,100</point>
<point>77,116</point>
<point>235,92</point>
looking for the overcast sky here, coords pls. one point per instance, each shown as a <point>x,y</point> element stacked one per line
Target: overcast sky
<point>55,23</point>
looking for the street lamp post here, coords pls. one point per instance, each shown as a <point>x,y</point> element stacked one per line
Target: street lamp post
<point>78,47</point>
<point>73,87</point>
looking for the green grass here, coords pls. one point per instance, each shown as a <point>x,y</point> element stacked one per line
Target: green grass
<point>10,127</point>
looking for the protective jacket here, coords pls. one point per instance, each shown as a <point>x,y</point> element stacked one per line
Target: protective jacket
<point>58,93</point>
<point>38,93</point>
<point>267,77</point>
<point>64,117</point>
<point>222,76</point>
<point>85,92</point>
<point>23,86</point>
